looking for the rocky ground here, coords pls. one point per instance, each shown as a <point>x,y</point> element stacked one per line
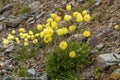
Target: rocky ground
<point>104,41</point>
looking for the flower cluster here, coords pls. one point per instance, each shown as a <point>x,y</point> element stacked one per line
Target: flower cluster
<point>51,27</point>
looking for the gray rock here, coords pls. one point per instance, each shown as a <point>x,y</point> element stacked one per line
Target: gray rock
<point>31,72</point>
<point>110,24</point>
<point>97,2</point>
<point>107,50</point>
<point>4,46</point>
<point>117,56</point>
<point>2,18</point>
<point>93,51</point>
<point>105,60</point>
<point>14,22</point>
<point>44,76</point>
<point>80,0</point>
<point>7,78</point>
<point>8,67</point>
<point>1,27</point>
<point>10,49</point>
<point>30,19</point>
<point>35,6</point>
<point>100,46</point>
<point>7,7</point>
<point>99,38</point>
<point>32,22</point>
<point>40,15</point>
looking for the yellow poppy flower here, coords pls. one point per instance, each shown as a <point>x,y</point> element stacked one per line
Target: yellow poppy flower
<point>87,18</point>
<point>72,28</point>
<point>26,43</point>
<point>41,34</point>
<point>57,19</point>
<point>22,35</point>
<point>5,41</point>
<point>63,45</point>
<point>21,30</point>
<point>79,18</point>
<point>59,32</point>
<point>47,39</point>
<point>53,15</point>
<point>26,40</point>
<point>10,37</point>
<point>30,32</point>
<point>35,41</point>
<point>54,25</point>
<point>72,54</point>
<point>68,7</point>
<point>67,17</point>
<point>39,27</point>
<point>84,12</point>
<point>13,32</point>
<point>32,37</point>
<point>17,40</point>
<point>49,20</point>
<point>64,30</point>
<point>86,33</point>
<point>75,14</point>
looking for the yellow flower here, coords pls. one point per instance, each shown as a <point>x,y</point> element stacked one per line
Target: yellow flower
<point>68,7</point>
<point>57,19</point>
<point>116,27</point>
<point>47,24</point>
<point>28,36</point>
<point>54,25</point>
<point>25,34</point>
<point>41,34</point>
<point>50,20</point>
<point>22,35</point>
<point>17,40</point>
<point>26,43</point>
<point>63,45</point>
<point>5,41</point>
<point>72,54</point>
<point>53,15</point>
<point>86,33</point>
<point>59,32</point>
<point>32,37</point>
<point>47,39</point>
<point>48,31</point>
<point>21,30</point>
<point>84,12</point>
<point>35,41</point>
<point>79,18</point>
<point>67,17</point>
<point>39,27</point>
<point>26,40</point>
<point>72,28</point>
<point>10,37</point>
<point>75,14</point>
<point>13,32</point>
<point>30,32</point>
<point>87,18</point>
<point>64,30</point>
